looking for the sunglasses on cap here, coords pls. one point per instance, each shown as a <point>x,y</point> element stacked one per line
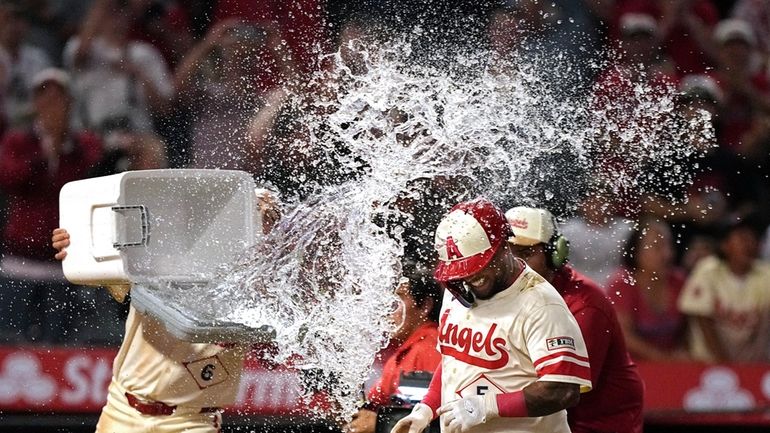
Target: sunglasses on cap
<point>461,291</point>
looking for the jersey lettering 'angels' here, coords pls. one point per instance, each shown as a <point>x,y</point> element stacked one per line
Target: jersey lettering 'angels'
<point>525,332</point>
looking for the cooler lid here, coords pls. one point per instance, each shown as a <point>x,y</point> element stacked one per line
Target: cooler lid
<point>183,224</point>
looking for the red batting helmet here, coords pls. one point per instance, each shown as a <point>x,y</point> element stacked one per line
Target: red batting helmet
<point>468,237</point>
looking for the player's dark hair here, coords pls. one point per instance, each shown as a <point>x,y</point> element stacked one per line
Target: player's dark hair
<point>422,286</point>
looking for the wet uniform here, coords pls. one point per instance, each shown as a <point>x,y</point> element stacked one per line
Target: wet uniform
<point>523,334</point>
<point>162,384</point>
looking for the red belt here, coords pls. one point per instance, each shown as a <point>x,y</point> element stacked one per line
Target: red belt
<point>155,408</point>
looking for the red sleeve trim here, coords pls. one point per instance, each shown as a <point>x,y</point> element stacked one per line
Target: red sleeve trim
<point>433,397</point>
<point>512,404</point>
<point>559,354</point>
<point>566,369</point>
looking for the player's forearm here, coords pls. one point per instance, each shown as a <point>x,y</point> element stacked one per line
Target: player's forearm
<point>545,398</point>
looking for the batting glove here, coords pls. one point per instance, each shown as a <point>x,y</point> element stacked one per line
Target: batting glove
<point>416,421</point>
<point>460,415</point>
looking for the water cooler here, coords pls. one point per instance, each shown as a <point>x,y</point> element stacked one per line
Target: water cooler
<point>168,234</point>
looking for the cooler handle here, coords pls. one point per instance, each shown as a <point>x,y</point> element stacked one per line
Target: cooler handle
<point>144,222</point>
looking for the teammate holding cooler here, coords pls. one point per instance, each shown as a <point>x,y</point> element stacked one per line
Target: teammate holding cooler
<point>161,384</point>
<point>615,402</point>
<point>513,357</point>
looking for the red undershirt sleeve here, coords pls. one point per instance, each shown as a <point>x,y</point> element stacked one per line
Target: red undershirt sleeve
<point>433,397</point>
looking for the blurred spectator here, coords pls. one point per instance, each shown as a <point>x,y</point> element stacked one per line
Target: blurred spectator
<point>19,63</point>
<point>299,24</point>
<point>282,148</point>
<point>352,40</point>
<point>48,24</point>
<point>503,32</point>
<point>597,238</point>
<point>163,23</point>
<point>745,87</point>
<point>637,61</point>
<point>417,334</point>
<point>227,77</point>
<point>727,298</point>
<point>37,303</point>
<point>706,192</point>
<point>698,247</point>
<point>684,29</point>
<point>687,26</point>
<point>645,290</point>
<point>537,32</point>
<point>639,55</point>
<point>127,150</point>
<point>756,13</point>
<point>118,82</point>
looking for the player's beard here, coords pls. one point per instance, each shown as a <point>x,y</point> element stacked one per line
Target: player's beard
<point>505,278</point>
<point>496,286</point>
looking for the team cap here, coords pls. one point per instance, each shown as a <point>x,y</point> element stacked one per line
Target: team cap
<point>468,237</point>
<point>733,29</point>
<point>634,23</point>
<point>51,75</point>
<point>701,86</point>
<point>530,226</point>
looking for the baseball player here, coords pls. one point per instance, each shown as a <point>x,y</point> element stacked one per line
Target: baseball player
<point>161,384</point>
<point>615,402</point>
<point>513,358</point>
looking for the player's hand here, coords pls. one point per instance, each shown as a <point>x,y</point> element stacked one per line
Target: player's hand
<point>364,421</point>
<point>60,240</point>
<point>416,421</point>
<point>460,415</point>
<point>269,207</point>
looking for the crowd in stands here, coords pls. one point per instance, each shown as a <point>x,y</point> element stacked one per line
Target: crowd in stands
<point>97,87</point>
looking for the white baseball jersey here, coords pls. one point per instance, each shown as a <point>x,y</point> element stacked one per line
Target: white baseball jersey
<point>523,334</point>
<point>740,307</point>
<point>155,365</point>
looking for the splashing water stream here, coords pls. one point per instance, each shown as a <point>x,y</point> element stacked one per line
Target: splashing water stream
<point>323,279</point>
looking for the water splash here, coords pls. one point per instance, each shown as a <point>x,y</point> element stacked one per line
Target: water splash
<point>395,133</point>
